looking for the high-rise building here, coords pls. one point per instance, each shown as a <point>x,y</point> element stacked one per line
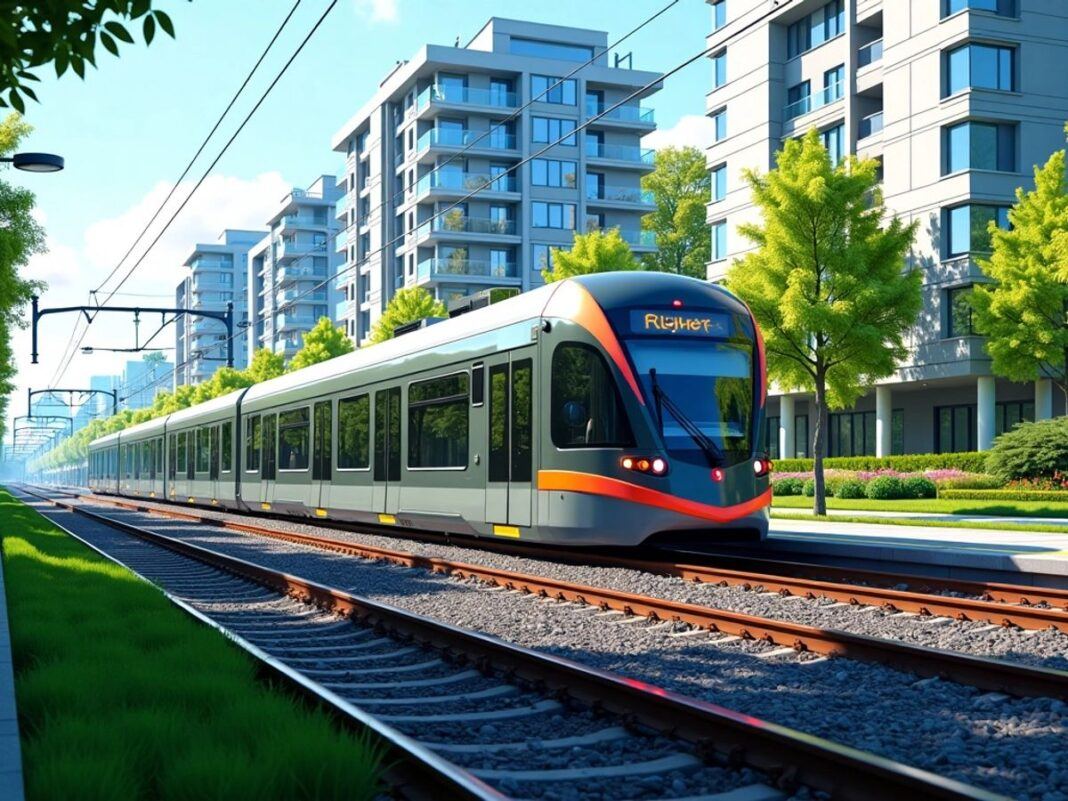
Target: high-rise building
<point>217,276</point>
<point>440,127</point>
<point>289,268</point>
<point>142,380</point>
<point>957,99</point>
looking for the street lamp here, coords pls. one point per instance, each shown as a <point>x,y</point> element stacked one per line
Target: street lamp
<point>36,162</point>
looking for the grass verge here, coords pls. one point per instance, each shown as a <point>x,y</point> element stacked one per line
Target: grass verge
<point>912,521</point>
<point>121,695</point>
<point>935,506</point>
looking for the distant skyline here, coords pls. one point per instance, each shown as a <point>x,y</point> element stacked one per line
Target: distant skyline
<point>129,128</point>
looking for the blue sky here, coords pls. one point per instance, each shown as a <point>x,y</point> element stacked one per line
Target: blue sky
<point>129,128</point>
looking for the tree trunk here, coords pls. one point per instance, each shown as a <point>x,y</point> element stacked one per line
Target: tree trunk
<point>819,506</point>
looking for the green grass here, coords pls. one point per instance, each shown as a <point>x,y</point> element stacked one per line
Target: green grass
<point>912,521</point>
<point>123,696</point>
<point>934,506</point>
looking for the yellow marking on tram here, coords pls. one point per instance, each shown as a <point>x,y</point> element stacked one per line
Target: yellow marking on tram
<point>265,507</point>
<point>387,519</point>
<point>191,500</point>
<point>152,494</point>
<point>506,531</point>
<point>214,502</point>
<point>320,512</point>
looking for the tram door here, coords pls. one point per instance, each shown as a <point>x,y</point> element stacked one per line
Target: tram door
<point>386,493</point>
<point>322,454</point>
<point>509,489</point>
<point>268,457</point>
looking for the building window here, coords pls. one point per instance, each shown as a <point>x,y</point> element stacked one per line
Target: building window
<point>354,433</point>
<point>719,240</point>
<point>801,439</point>
<point>954,429</point>
<point>980,146</point>
<point>897,432</point>
<point>438,422</point>
<point>832,139</point>
<point>798,99</point>
<point>771,437</point>
<point>833,80</point>
<point>852,434</point>
<point>550,172</point>
<point>586,409</point>
<point>1009,414</point>
<point>546,130</point>
<point>719,69</point>
<point>719,14</point>
<point>554,50</point>
<point>959,312</point>
<point>980,66</point>
<point>967,228</point>
<point>548,89</point>
<point>815,29</point>
<point>719,182</point>
<point>293,439</point>
<point>719,122</point>
<point>543,258</point>
<point>554,215</point>
<point>1003,8</point>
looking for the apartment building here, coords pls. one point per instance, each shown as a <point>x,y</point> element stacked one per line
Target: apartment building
<point>142,380</point>
<point>217,276</point>
<point>957,99</point>
<point>441,127</point>
<point>288,290</point>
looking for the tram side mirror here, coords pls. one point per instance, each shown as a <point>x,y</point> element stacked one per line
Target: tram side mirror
<point>575,413</point>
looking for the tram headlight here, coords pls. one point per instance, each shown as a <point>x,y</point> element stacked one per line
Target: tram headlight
<point>659,466</point>
<point>761,466</point>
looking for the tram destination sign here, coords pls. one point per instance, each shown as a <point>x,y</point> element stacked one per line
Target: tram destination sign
<point>679,323</point>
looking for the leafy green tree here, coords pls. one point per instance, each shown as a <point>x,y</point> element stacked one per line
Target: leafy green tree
<point>595,252</point>
<point>66,33</point>
<point>1024,312</point>
<point>407,306</point>
<point>222,382</point>
<point>827,282</point>
<point>323,342</point>
<point>680,185</point>
<point>265,365</point>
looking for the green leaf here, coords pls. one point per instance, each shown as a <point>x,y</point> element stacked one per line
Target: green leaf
<point>62,62</point>
<point>30,93</point>
<point>78,65</point>
<point>165,22</point>
<point>109,43</point>
<point>150,29</point>
<point>28,76</point>
<point>139,8</point>
<point>118,31</point>
<point>17,101</point>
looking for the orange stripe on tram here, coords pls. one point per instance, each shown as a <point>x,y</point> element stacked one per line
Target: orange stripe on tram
<point>590,484</point>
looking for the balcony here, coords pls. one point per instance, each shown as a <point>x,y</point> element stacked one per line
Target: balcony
<point>452,267</point>
<point>298,272</point>
<point>290,320</point>
<point>823,97</point>
<point>870,54</point>
<point>493,139</point>
<point>303,221</point>
<point>292,249</point>
<point>455,223</point>
<point>619,194</point>
<point>463,96</point>
<point>344,203</point>
<point>636,238</point>
<point>870,125</point>
<point>634,115</point>
<point>631,154</point>
<point>344,309</point>
<point>464,182</point>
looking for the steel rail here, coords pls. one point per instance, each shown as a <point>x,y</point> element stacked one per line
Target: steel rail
<point>792,758</point>
<point>983,672</point>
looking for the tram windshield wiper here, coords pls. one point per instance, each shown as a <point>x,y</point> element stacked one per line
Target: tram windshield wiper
<point>708,446</point>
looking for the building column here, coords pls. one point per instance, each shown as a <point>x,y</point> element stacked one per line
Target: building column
<point>786,427</point>
<point>1043,399</point>
<point>883,421</point>
<point>985,408</point>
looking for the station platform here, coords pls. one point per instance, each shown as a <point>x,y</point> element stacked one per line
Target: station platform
<point>959,551</point>
<point>11,788</point>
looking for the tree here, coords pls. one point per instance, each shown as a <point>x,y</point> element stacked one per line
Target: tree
<point>265,365</point>
<point>322,343</point>
<point>65,33</point>
<point>1024,313</point>
<point>594,252</point>
<point>826,283</point>
<point>222,382</point>
<point>680,185</point>
<point>407,306</point>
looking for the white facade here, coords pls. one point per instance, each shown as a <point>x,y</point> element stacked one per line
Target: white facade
<point>286,267</point>
<point>403,165</point>
<point>958,99</point>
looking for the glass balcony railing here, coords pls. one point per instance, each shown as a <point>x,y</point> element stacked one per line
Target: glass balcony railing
<point>465,182</point>
<point>870,125</point>
<point>447,137</point>
<point>870,53</point>
<point>633,237</point>
<point>459,223</point>
<point>632,153</point>
<point>432,268</point>
<point>619,194</point>
<point>462,95</point>
<point>344,203</point>
<point>809,103</point>
<point>636,114</point>
<point>302,220</point>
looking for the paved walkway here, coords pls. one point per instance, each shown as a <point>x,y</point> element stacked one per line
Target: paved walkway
<point>941,516</point>
<point>10,756</point>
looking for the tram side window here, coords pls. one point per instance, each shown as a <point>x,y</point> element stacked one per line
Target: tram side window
<point>180,454</point>
<point>293,438</point>
<point>586,409</point>
<point>172,454</point>
<point>438,422</point>
<point>159,456</point>
<point>227,446</point>
<point>252,444</point>
<point>203,449</point>
<point>354,433</point>
<point>147,460</point>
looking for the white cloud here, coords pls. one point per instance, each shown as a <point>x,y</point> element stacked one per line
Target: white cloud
<point>692,130</point>
<point>379,10</point>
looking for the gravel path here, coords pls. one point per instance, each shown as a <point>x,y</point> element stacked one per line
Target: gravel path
<point>1011,746</point>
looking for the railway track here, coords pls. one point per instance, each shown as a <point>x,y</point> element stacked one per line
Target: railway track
<point>466,715</point>
<point>985,673</point>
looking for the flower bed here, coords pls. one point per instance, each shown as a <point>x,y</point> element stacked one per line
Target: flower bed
<point>884,484</point>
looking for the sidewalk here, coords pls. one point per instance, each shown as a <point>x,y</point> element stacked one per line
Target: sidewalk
<point>940,516</point>
<point>10,758</point>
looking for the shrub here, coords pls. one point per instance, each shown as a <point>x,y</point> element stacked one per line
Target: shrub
<point>809,488</point>
<point>1031,450</point>
<point>884,488</point>
<point>955,479</point>
<point>971,462</point>
<point>787,486</point>
<point>1058,481</point>
<point>1055,496</point>
<point>850,488</point>
<point>918,487</point>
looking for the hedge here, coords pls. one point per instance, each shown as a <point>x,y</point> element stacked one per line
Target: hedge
<point>1005,495</point>
<point>969,462</point>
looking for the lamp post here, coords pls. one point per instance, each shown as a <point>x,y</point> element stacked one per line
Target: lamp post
<point>35,162</point>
